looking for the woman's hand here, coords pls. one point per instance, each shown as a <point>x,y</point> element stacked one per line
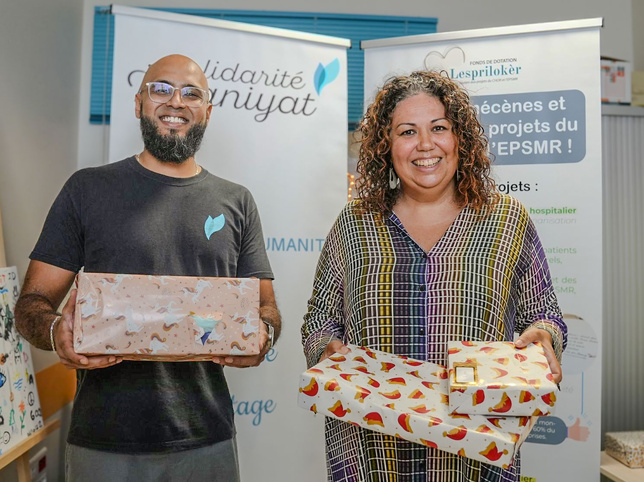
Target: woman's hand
<point>334,346</point>
<point>542,336</point>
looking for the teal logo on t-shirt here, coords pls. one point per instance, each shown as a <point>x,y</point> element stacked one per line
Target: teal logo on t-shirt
<point>214,224</point>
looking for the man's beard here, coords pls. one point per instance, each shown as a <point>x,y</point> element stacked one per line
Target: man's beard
<point>172,148</point>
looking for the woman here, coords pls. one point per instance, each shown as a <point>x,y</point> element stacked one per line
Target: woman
<point>431,252</point>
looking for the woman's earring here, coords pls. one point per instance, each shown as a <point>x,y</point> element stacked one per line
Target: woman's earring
<point>394,181</point>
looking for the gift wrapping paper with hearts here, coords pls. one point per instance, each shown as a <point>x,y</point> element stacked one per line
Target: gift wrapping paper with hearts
<point>166,318</point>
<point>495,378</point>
<point>408,399</point>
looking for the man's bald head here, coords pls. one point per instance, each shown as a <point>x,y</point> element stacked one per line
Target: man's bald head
<point>178,69</point>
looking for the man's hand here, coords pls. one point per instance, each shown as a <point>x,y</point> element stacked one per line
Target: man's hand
<point>64,341</point>
<point>532,335</point>
<point>268,313</point>
<point>334,346</point>
<point>248,361</point>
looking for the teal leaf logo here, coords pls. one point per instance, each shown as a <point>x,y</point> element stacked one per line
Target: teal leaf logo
<point>324,75</point>
<point>214,224</point>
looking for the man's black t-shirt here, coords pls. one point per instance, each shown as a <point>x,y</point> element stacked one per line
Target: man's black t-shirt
<point>123,218</point>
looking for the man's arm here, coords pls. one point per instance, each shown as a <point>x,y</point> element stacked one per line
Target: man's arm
<point>268,312</point>
<point>44,289</point>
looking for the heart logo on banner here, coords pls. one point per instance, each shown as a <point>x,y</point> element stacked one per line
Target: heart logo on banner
<point>452,56</point>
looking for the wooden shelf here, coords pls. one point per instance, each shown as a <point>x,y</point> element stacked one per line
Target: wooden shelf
<point>20,452</point>
<point>617,471</point>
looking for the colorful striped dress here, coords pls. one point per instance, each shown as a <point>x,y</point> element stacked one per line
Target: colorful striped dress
<point>486,278</point>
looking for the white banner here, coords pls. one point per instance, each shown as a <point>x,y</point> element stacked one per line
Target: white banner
<point>538,92</point>
<point>279,127</point>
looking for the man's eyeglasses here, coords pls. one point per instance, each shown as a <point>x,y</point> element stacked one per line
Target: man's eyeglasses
<point>160,92</point>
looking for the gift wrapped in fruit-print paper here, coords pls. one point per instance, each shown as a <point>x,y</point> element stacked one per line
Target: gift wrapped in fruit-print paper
<point>496,378</point>
<point>408,399</point>
<point>166,318</point>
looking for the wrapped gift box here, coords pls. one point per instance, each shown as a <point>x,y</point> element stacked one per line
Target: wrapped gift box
<point>627,447</point>
<point>166,318</point>
<point>495,378</point>
<point>407,398</point>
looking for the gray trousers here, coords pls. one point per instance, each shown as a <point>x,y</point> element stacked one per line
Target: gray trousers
<point>214,463</point>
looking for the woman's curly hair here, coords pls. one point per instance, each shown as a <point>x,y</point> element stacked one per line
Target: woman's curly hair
<point>475,187</point>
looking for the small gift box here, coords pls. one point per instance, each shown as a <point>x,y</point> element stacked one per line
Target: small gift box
<point>166,318</point>
<point>495,378</point>
<point>627,447</point>
<point>408,399</point>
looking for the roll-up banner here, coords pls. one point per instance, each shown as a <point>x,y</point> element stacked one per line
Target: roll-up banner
<point>278,127</point>
<point>537,90</point>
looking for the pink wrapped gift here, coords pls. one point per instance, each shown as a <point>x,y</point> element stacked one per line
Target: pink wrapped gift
<point>407,398</point>
<point>166,318</point>
<point>495,378</point>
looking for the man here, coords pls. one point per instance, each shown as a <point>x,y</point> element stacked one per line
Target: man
<point>149,214</point>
